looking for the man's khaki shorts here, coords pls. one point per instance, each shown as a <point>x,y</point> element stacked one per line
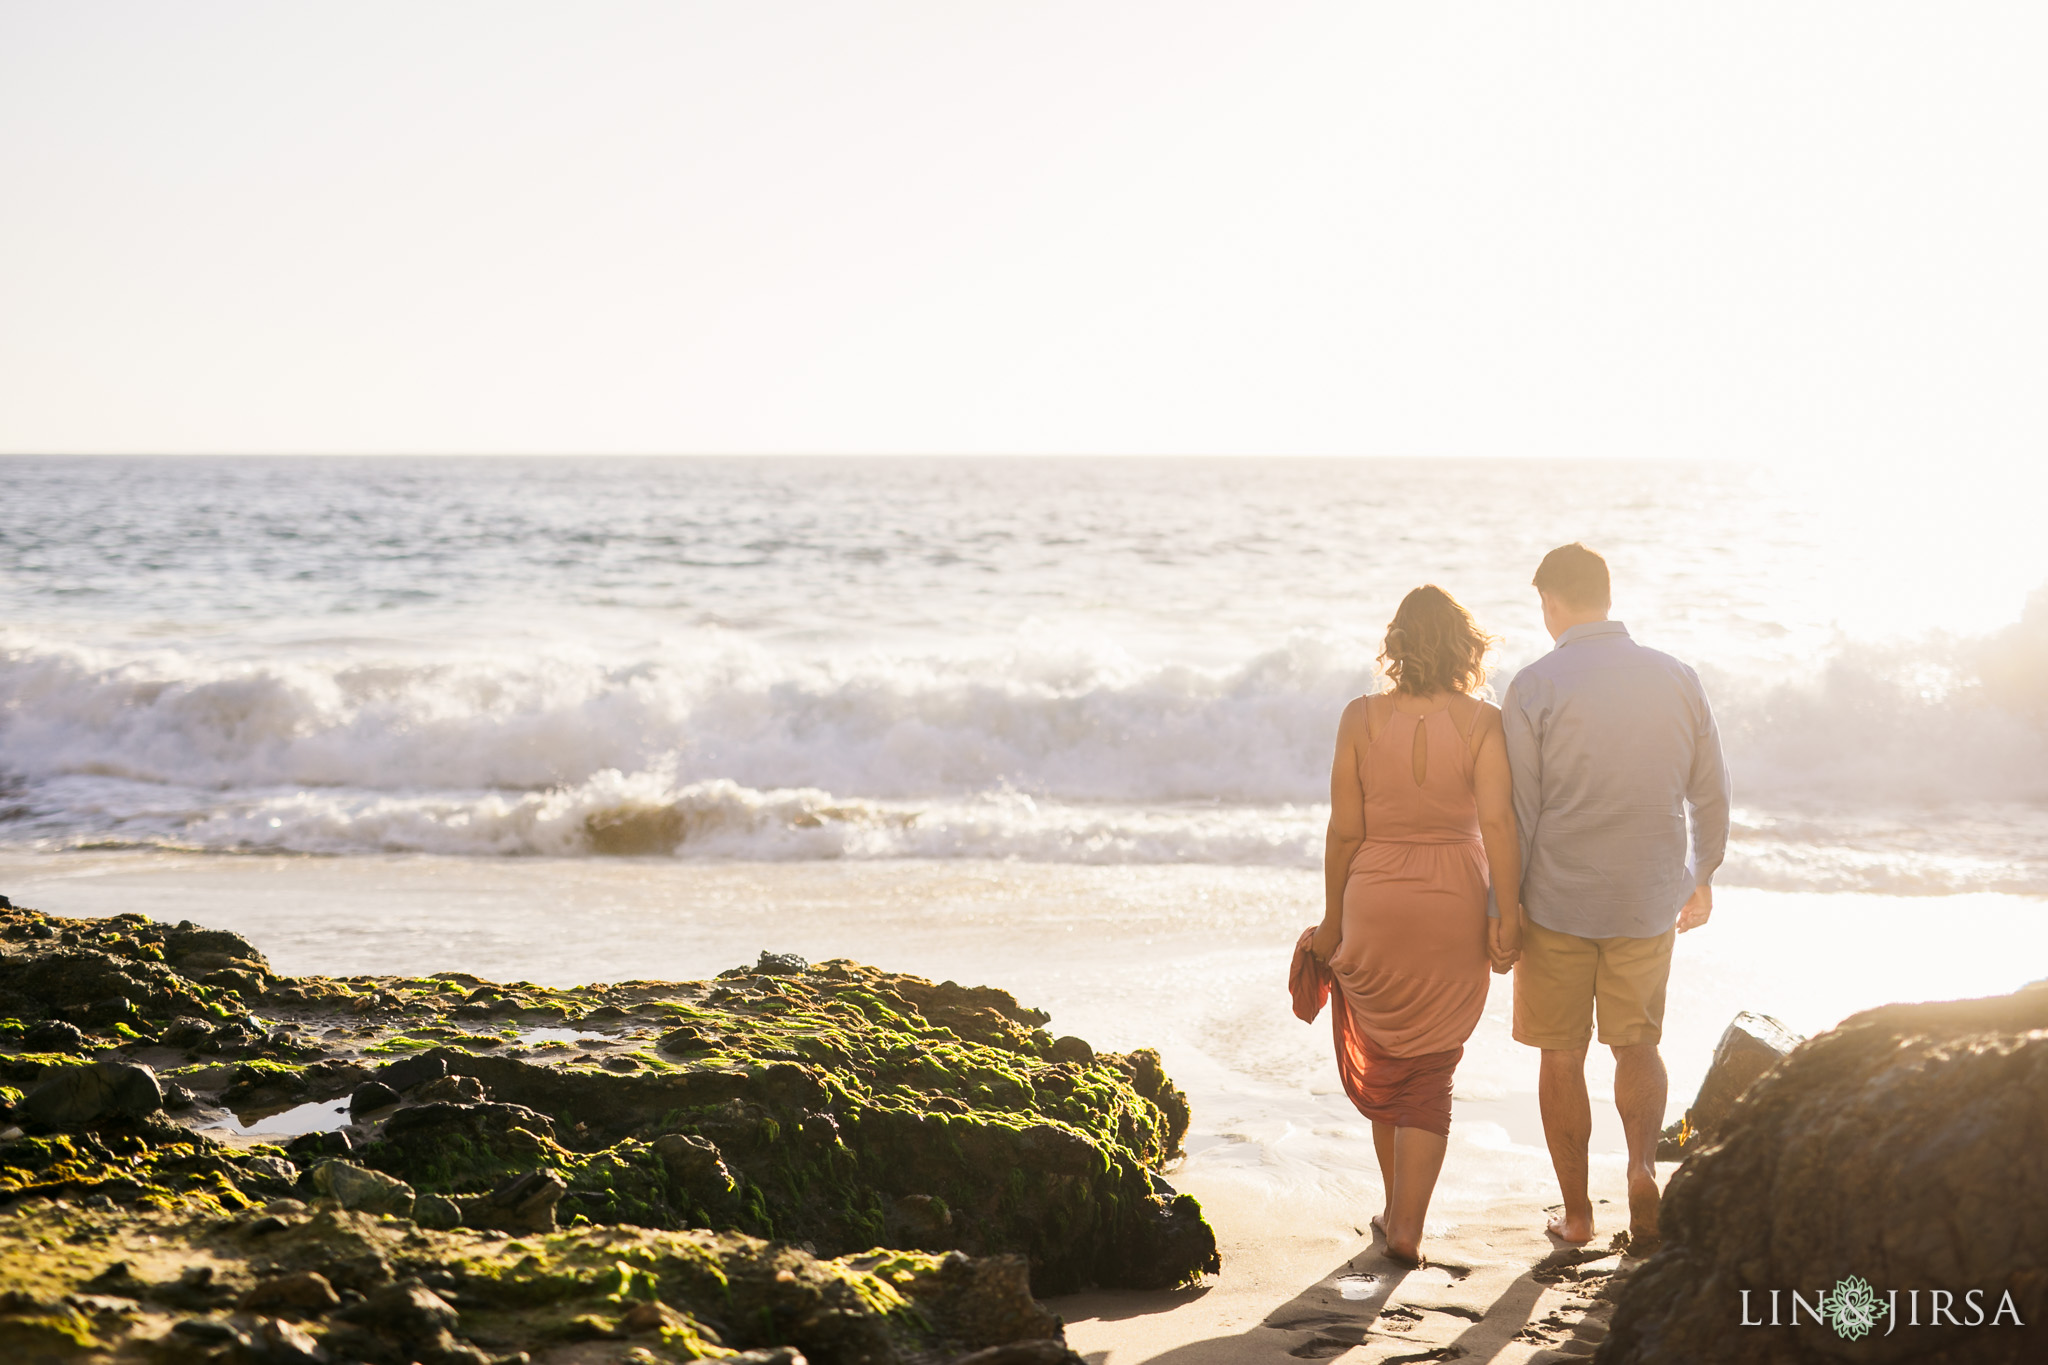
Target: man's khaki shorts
<point>1560,978</point>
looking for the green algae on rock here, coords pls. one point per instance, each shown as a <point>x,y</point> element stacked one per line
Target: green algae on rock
<point>819,1112</point>
<point>345,1286</point>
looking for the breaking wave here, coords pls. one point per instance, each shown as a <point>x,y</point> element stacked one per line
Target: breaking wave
<point>1911,768</point>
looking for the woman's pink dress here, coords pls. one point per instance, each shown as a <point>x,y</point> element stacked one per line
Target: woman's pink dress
<point>1411,970</point>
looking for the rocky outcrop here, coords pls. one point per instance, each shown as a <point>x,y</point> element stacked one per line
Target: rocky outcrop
<point>1895,1159</point>
<point>1751,1045</point>
<point>71,1096</point>
<point>786,1115</point>
<point>344,1286</point>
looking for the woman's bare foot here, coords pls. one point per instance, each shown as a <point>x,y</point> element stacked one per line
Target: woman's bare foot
<point>1379,1224</point>
<point>1643,1200</point>
<point>1409,1256</point>
<point>1575,1229</point>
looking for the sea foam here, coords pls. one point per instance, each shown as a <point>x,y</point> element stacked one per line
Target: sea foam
<point>1898,769</point>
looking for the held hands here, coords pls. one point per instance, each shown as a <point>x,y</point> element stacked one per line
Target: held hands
<point>1504,943</point>
<point>1698,906</point>
<point>1325,942</point>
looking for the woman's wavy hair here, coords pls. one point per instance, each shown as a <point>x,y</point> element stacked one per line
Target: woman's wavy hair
<point>1434,645</point>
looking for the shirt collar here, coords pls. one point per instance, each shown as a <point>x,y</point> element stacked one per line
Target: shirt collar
<point>1590,630</point>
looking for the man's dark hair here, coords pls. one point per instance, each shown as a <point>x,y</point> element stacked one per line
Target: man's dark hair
<point>1575,576</point>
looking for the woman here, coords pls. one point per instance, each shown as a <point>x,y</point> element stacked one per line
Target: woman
<point>1420,810</point>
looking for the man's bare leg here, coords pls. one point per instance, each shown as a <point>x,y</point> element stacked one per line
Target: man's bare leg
<point>1383,1148</point>
<point>1418,1159</point>
<point>1568,1130</point>
<point>1640,1088</point>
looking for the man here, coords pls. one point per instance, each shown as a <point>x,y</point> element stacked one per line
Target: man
<point>1607,742</point>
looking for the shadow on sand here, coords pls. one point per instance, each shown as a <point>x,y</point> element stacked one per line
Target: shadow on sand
<point>1355,1304</point>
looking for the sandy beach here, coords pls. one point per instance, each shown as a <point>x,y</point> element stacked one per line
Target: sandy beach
<point>1301,1282</point>
<point>1190,960</point>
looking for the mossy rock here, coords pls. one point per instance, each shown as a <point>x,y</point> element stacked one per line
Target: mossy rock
<point>128,1288</point>
<point>831,1105</point>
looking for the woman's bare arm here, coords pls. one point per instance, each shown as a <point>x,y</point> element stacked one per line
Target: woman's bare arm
<point>1492,785</point>
<point>1347,827</point>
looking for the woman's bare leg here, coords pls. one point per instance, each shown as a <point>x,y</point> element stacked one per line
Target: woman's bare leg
<point>1418,1158</point>
<point>1383,1148</point>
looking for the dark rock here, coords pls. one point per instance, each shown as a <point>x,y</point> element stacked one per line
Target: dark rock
<point>403,1322</point>
<point>984,1301</point>
<point>194,950</point>
<point>1903,1147</point>
<point>71,1095</point>
<point>1166,1238</point>
<point>450,1148</point>
<point>71,980</point>
<point>356,1187</point>
<point>687,1038</point>
<point>309,1146</point>
<point>274,1168</point>
<point>652,1316</point>
<point>408,1310</point>
<point>779,964</point>
<point>117,1009</point>
<point>1751,1045</point>
<point>185,1033</point>
<point>1072,1049</point>
<point>331,1078</point>
<point>436,1211</point>
<point>418,1069</point>
<point>919,1220</point>
<point>274,1342</point>
<point>621,1064</point>
<point>370,1097</point>
<point>206,1330</point>
<point>229,1038</point>
<point>307,1293</point>
<point>451,1090</point>
<point>54,1035</point>
<point>695,1165</point>
<point>265,1225</point>
<point>525,1203</point>
<point>178,1098</point>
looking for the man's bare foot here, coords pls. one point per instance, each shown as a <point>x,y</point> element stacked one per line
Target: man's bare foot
<point>1574,1229</point>
<point>1643,1199</point>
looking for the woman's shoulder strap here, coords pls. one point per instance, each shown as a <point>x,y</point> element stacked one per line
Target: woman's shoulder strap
<point>1378,706</point>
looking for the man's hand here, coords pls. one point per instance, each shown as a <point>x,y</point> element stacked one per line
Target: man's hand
<point>1698,907</point>
<point>1503,946</point>
<point>1325,942</point>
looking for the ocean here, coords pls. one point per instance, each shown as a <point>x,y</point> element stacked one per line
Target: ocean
<point>1108,662</point>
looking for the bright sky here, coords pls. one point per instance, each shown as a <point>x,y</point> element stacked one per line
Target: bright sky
<point>1787,231</point>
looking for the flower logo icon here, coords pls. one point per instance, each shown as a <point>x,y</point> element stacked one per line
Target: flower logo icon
<point>1852,1307</point>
